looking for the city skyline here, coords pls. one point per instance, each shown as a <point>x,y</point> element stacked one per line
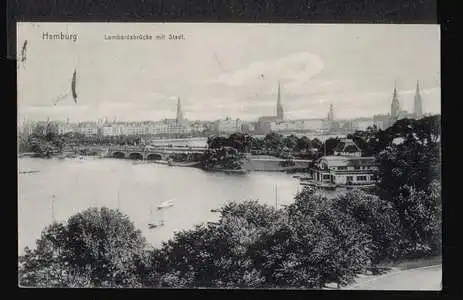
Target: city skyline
<point>217,72</point>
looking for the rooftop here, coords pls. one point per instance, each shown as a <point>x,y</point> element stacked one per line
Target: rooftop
<point>339,161</point>
<point>347,145</point>
<point>269,118</point>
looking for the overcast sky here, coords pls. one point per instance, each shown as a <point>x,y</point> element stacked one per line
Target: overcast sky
<point>222,70</point>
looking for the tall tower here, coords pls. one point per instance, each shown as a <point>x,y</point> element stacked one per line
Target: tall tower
<point>418,110</point>
<point>331,113</point>
<point>179,117</point>
<point>395,105</point>
<point>280,113</point>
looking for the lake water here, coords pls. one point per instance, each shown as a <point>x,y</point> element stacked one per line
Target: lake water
<point>76,185</point>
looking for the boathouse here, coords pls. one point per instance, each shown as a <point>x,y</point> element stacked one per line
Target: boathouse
<point>344,170</point>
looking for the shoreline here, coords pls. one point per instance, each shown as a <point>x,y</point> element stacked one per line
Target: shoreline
<point>264,166</point>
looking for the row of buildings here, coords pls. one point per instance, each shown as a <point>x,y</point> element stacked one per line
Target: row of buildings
<point>265,124</point>
<point>278,122</point>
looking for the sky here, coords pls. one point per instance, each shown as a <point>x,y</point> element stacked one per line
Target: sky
<point>226,70</point>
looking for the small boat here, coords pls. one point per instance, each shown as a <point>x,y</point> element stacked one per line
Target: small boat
<point>165,204</point>
<point>154,226</point>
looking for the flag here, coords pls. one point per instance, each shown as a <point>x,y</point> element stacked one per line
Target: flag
<point>73,86</point>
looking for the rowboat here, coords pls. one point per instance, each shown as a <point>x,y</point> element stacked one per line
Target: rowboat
<point>165,204</point>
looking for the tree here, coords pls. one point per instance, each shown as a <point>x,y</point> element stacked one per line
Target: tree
<point>217,255</point>
<point>290,141</point>
<point>317,144</point>
<point>338,246</point>
<point>240,141</point>
<point>379,220</point>
<point>226,158</point>
<point>303,144</point>
<point>273,141</point>
<point>409,178</point>
<point>420,216</point>
<point>96,248</point>
<point>330,145</point>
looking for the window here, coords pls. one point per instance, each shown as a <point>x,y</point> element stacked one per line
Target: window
<point>357,167</point>
<point>342,168</point>
<point>326,177</point>
<point>349,178</point>
<point>361,178</point>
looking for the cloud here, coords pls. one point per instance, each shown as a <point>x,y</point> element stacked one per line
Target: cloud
<point>289,68</point>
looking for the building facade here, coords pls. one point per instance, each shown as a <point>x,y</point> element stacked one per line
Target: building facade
<point>344,170</point>
<point>228,126</point>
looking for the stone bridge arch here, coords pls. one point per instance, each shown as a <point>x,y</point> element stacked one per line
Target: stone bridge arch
<point>118,154</point>
<point>154,156</point>
<point>135,156</point>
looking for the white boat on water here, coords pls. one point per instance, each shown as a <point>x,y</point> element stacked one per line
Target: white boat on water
<point>154,225</point>
<point>166,204</point>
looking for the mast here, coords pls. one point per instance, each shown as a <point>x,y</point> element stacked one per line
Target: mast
<point>53,208</point>
<point>118,200</point>
<point>276,196</point>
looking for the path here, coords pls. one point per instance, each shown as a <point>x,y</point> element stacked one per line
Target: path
<point>425,278</point>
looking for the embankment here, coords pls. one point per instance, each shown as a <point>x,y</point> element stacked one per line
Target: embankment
<point>268,163</point>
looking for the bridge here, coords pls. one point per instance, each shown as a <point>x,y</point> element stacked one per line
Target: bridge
<point>153,152</point>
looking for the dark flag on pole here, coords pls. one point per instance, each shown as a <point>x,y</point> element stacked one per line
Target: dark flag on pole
<point>72,90</point>
<point>73,87</point>
<point>23,52</point>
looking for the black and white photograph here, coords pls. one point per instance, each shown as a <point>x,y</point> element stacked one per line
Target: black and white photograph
<point>229,156</point>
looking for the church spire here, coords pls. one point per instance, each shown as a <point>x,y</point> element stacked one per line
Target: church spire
<point>280,113</point>
<point>418,110</point>
<point>179,117</point>
<point>395,105</point>
<point>331,113</point>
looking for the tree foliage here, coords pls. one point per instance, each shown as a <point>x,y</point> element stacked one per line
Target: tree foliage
<point>379,220</point>
<point>97,247</point>
<point>225,158</point>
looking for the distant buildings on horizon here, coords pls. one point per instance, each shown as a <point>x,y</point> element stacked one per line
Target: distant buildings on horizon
<point>265,124</point>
